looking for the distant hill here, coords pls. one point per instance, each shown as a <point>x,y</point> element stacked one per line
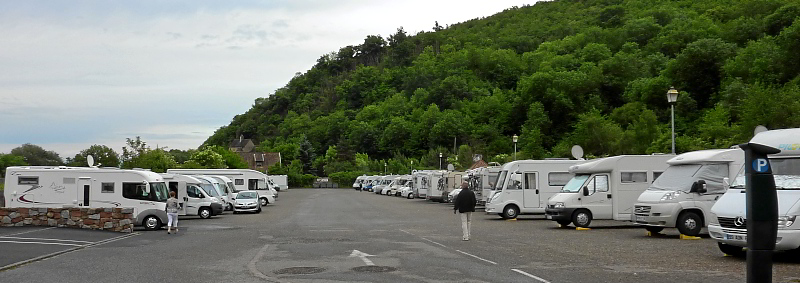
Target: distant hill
<point>557,73</point>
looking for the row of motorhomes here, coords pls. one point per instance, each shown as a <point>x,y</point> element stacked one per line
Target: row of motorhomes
<point>693,192</point>
<point>201,192</point>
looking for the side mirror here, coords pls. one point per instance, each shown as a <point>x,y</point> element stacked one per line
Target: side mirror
<point>726,183</point>
<point>201,196</point>
<point>585,191</point>
<point>699,187</point>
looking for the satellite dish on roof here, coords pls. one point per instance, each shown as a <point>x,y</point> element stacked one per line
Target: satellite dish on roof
<point>577,151</point>
<point>450,167</point>
<point>90,160</point>
<point>759,129</point>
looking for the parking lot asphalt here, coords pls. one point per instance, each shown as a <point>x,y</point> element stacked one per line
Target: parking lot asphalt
<point>341,235</point>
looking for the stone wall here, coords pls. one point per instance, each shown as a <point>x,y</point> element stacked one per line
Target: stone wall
<point>110,219</point>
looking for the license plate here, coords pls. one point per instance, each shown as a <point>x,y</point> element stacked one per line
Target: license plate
<point>735,237</point>
<point>548,217</point>
<point>640,219</point>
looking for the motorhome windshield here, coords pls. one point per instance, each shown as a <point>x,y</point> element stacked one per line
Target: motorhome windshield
<point>786,172</point>
<point>501,179</point>
<point>159,191</point>
<point>401,182</point>
<point>233,188</point>
<point>676,177</point>
<point>575,184</point>
<point>209,189</point>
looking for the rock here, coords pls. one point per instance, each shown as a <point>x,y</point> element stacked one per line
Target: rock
<point>42,210</point>
<point>4,212</point>
<point>65,214</point>
<point>124,222</point>
<point>19,224</point>
<point>94,216</point>
<point>76,213</point>
<point>33,212</point>
<point>27,221</point>
<point>107,209</point>
<point>108,225</point>
<point>51,222</point>
<point>6,220</point>
<point>49,215</point>
<point>88,222</point>
<point>105,214</point>
<point>71,223</point>
<point>128,210</point>
<point>16,220</point>
<point>13,214</point>
<point>116,215</point>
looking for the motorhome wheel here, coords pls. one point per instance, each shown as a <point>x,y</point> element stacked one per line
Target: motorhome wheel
<point>205,213</point>
<point>152,223</point>
<point>264,202</point>
<point>230,206</point>
<point>510,211</point>
<point>653,229</point>
<point>690,224</point>
<point>582,218</point>
<point>410,196</point>
<point>731,250</point>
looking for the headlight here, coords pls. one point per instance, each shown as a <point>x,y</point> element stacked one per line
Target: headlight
<point>786,221</point>
<point>495,196</point>
<point>559,205</point>
<point>671,195</point>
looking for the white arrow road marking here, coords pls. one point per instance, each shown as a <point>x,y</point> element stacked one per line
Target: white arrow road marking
<point>363,256</point>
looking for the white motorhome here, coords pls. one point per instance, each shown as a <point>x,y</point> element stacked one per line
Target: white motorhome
<point>605,188</point>
<point>422,182</point>
<point>728,224</point>
<point>449,181</point>
<point>359,182</point>
<point>243,180</point>
<point>227,190</point>
<point>370,182</point>
<point>678,198</point>
<point>482,181</point>
<point>212,187</point>
<point>58,187</point>
<point>191,196</point>
<point>399,182</point>
<point>435,185</point>
<point>524,186</point>
<point>383,182</point>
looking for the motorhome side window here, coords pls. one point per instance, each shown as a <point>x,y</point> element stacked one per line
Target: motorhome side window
<point>633,177</point>
<point>107,187</point>
<point>515,182</point>
<point>598,184</point>
<point>193,192</point>
<point>530,181</point>
<point>27,180</point>
<point>558,178</point>
<point>238,182</point>
<point>135,191</point>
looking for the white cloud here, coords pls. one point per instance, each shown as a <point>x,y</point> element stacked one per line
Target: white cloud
<point>98,72</point>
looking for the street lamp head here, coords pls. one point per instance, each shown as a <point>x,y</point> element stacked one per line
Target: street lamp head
<point>515,138</point>
<point>672,95</point>
<point>440,155</point>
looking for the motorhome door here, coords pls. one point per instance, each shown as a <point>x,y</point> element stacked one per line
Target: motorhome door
<point>180,193</point>
<point>530,190</point>
<point>84,191</point>
<point>599,199</point>
<point>193,199</point>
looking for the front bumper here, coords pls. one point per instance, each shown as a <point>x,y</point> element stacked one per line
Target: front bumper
<point>559,214</point>
<point>787,239</point>
<point>216,208</point>
<point>655,214</point>
<point>246,208</point>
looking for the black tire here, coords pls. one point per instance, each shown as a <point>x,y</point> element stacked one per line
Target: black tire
<point>230,207</point>
<point>259,210</point>
<point>563,223</point>
<point>510,212</point>
<point>263,201</point>
<point>582,218</point>
<point>689,223</point>
<point>410,195</point>
<point>204,213</point>
<point>731,250</point>
<point>653,229</point>
<point>151,223</point>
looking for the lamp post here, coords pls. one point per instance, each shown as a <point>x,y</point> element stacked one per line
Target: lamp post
<point>384,168</point>
<point>672,97</point>
<point>440,161</point>
<point>412,165</point>
<point>515,138</point>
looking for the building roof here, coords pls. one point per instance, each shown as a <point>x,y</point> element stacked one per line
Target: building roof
<point>478,164</point>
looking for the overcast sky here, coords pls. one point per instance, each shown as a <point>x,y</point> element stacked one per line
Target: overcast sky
<point>77,73</point>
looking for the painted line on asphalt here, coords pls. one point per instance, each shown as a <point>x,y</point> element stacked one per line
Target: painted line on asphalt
<point>252,265</point>
<point>332,230</point>
<point>472,255</point>
<point>54,254</point>
<point>530,275</point>
<point>31,231</point>
<point>404,231</point>
<point>45,239</point>
<point>426,239</point>
<point>41,243</point>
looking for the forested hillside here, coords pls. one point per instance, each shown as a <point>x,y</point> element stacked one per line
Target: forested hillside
<point>558,73</point>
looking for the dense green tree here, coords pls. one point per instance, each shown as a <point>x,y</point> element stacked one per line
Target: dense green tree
<point>206,158</point>
<point>7,160</point>
<point>36,155</point>
<point>103,156</point>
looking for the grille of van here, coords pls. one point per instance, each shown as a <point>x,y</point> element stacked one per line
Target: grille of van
<point>730,222</point>
<point>642,210</point>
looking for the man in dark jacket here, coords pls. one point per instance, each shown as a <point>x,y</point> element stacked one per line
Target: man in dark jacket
<point>465,204</point>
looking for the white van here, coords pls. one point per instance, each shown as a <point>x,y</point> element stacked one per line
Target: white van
<point>678,198</point>
<point>192,198</point>
<point>212,187</point>
<point>227,190</point>
<point>243,180</point>
<point>728,223</point>
<point>359,182</point>
<point>383,182</point>
<point>369,182</point>
<point>605,188</point>
<point>523,186</point>
<point>399,182</point>
<point>59,187</point>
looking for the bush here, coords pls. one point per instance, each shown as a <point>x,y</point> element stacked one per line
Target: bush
<point>301,180</point>
<point>346,178</point>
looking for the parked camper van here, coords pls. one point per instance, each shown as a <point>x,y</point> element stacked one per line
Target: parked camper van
<point>58,187</point>
<point>383,182</point>
<point>191,196</point>
<point>280,181</point>
<point>605,188</point>
<point>422,182</point>
<point>524,186</point>
<point>436,188</point>
<point>243,179</point>
<point>728,223</point>
<point>450,181</point>
<point>359,182</point>
<point>227,190</point>
<point>399,182</point>
<point>482,181</point>
<point>678,199</point>
<point>370,182</point>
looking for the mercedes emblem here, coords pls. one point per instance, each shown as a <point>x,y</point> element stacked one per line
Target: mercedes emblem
<point>739,221</point>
